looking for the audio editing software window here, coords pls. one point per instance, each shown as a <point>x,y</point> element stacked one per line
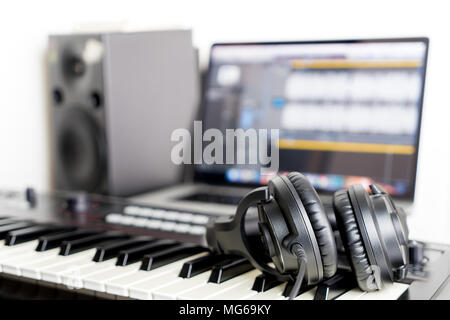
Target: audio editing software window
<point>348,112</point>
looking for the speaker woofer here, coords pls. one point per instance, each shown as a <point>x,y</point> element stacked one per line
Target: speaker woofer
<point>80,151</point>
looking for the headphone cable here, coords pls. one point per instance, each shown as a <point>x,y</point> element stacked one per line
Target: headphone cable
<point>297,249</point>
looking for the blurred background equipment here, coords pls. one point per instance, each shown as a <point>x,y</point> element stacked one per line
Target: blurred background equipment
<point>348,112</point>
<point>115,100</point>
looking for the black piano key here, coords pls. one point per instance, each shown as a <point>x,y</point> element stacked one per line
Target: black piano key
<point>229,270</point>
<point>55,240</point>
<point>110,251</point>
<point>73,246</point>
<point>130,256</point>
<point>15,226</point>
<point>334,287</point>
<point>27,234</point>
<point>265,282</point>
<point>9,221</point>
<point>161,258</point>
<point>199,265</point>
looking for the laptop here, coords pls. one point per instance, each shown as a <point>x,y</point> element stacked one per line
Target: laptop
<point>348,111</point>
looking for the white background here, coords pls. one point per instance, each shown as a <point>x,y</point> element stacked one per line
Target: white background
<point>24,26</point>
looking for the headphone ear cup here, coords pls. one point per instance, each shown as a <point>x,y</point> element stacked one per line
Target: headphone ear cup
<point>319,222</point>
<point>352,240</point>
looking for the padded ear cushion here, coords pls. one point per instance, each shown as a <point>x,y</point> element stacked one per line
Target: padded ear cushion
<point>351,238</point>
<point>319,222</point>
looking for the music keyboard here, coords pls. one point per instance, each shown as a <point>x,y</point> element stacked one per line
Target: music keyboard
<point>137,267</point>
<point>80,255</point>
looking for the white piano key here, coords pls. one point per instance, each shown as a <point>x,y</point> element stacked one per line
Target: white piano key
<point>33,270</point>
<point>211,289</point>
<point>122,285</point>
<point>308,295</point>
<point>75,279</point>
<point>240,292</point>
<point>14,265</point>
<point>275,293</point>
<point>97,281</point>
<point>389,292</point>
<point>10,252</point>
<point>54,273</point>
<point>180,286</point>
<point>7,250</point>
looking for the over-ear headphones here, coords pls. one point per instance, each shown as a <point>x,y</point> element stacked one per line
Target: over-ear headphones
<point>296,239</point>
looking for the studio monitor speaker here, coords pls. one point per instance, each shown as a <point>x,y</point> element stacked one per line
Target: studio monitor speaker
<point>115,100</point>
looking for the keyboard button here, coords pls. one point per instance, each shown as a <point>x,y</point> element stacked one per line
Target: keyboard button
<point>182,227</point>
<point>130,256</point>
<point>160,258</point>
<point>200,219</point>
<point>197,230</point>
<point>23,235</point>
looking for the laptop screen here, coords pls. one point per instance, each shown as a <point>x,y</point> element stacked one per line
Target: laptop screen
<point>347,111</point>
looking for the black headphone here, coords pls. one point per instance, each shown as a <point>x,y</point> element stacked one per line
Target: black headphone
<point>295,235</point>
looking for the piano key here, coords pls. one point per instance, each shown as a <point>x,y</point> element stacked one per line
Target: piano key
<point>54,273</point>
<point>8,251</point>
<point>54,241</point>
<point>31,233</point>
<point>7,221</point>
<point>265,282</point>
<point>288,287</point>
<point>141,284</point>
<point>244,291</point>
<point>194,267</point>
<point>110,251</point>
<point>335,286</point>
<point>130,256</point>
<point>73,246</point>
<point>178,287</point>
<point>389,292</point>
<point>209,290</point>
<point>275,293</point>
<point>97,281</point>
<point>33,270</point>
<point>160,258</point>
<point>75,279</point>
<point>229,269</point>
<point>13,266</point>
<point>307,295</point>
<point>15,226</point>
